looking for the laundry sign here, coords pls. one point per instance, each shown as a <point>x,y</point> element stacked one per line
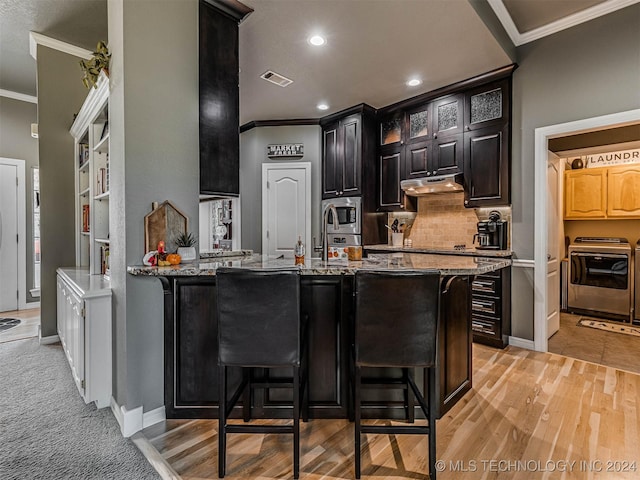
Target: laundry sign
<point>285,150</point>
<point>612,158</point>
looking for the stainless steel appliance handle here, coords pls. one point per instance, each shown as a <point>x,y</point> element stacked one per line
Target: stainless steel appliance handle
<point>601,255</point>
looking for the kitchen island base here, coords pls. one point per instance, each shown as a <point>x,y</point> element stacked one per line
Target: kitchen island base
<point>191,351</point>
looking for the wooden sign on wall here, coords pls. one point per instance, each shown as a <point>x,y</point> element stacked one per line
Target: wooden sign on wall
<point>612,158</point>
<point>285,150</point>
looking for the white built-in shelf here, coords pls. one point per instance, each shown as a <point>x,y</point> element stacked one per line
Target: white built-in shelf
<point>102,196</point>
<point>102,240</point>
<point>102,145</point>
<point>85,233</point>
<point>84,192</point>
<point>84,167</point>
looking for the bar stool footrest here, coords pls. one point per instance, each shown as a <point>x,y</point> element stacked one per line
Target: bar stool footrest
<point>259,429</point>
<point>403,429</point>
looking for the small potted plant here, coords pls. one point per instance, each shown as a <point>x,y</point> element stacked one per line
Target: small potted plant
<point>92,68</point>
<point>185,243</point>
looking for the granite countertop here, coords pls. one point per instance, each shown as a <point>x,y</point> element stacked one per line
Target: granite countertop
<point>446,264</point>
<point>225,253</point>
<point>474,252</point>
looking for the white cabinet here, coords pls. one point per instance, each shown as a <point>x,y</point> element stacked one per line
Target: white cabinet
<point>84,328</point>
<point>90,130</point>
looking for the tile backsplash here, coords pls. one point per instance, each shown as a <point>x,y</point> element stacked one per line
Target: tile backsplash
<point>442,221</point>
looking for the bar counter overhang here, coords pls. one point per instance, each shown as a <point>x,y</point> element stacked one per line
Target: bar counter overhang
<point>190,346</point>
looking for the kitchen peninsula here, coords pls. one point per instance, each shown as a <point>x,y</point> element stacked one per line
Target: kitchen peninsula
<point>190,357</point>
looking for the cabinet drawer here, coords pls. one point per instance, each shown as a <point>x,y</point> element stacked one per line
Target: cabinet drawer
<point>486,305</point>
<point>486,326</point>
<point>486,285</point>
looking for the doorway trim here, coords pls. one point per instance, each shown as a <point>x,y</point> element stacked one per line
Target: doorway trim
<point>542,136</point>
<point>22,229</point>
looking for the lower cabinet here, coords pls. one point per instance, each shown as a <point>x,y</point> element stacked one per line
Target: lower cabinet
<point>491,308</point>
<point>191,355</point>
<point>84,328</point>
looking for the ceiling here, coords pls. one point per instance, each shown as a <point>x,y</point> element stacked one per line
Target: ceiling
<point>373,46</point>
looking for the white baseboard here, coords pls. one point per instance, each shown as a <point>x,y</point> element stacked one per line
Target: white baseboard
<point>154,416</point>
<point>134,420</point>
<point>522,343</point>
<point>49,340</point>
<point>130,421</point>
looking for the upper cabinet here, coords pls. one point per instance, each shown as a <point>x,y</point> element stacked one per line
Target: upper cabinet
<point>486,167</point>
<point>623,191</point>
<point>599,193</point>
<point>347,140</point>
<point>448,115</point>
<point>219,97</point>
<point>487,105</point>
<point>585,193</point>
<point>487,145</point>
<point>462,128</point>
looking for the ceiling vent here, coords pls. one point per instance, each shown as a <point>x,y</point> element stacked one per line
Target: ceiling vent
<point>276,78</point>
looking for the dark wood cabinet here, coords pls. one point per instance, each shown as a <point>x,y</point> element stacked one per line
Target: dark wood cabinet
<point>347,150</point>
<point>218,85</point>
<point>491,308</point>
<point>461,128</point>
<point>488,105</point>
<point>448,115</point>
<point>390,168</point>
<point>487,172</point>
<point>191,355</point>
<point>447,156</point>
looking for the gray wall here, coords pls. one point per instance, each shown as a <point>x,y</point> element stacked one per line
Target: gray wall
<point>586,71</point>
<point>253,153</point>
<point>16,142</point>
<point>60,96</point>
<point>154,157</point>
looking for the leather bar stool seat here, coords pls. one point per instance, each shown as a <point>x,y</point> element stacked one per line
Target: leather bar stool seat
<point>396,325</point>
<point>260,326</point>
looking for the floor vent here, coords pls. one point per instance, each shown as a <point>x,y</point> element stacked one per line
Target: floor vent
<point>276,78</point>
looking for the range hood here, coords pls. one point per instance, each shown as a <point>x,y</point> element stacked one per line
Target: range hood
<point>439,184</point>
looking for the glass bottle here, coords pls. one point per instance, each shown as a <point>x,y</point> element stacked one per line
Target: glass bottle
<point>298,251</point>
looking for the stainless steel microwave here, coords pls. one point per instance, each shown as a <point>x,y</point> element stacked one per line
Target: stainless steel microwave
<point>349,211</point>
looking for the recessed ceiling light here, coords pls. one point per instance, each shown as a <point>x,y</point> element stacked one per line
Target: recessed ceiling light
<point>323,106</point>
<point>317,40</point>
<point>414,82</point>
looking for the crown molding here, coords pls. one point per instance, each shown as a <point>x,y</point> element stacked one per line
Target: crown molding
<point>562,24</point>
<point>23,97</point>
<point>36,39</point>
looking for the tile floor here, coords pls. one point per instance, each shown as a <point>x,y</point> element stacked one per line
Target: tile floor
<point>29,326</point>
<point>605,348</point>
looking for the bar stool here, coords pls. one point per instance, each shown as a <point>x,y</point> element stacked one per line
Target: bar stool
<point>396,325</point>
<point>259,325</point>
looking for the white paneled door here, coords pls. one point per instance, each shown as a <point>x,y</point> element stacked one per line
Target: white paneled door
<point>8,237</point>
<point>286,207</point>
<point>554,229</point>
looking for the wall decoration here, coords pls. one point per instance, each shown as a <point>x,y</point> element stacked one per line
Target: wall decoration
<point>285,150</point>
<point>165,223</point>
<point>612,158</point>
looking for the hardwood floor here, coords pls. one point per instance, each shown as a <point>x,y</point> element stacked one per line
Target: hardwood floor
<point>529,416</point>
<point>29,326</point>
